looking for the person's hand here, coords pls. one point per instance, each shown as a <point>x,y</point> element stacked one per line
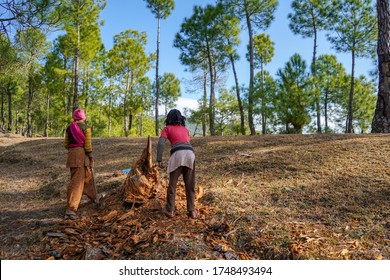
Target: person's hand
<point>91,162</point>
<point>160,164</point>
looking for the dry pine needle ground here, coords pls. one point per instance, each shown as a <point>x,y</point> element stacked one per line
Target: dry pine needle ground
<point>261,197</point>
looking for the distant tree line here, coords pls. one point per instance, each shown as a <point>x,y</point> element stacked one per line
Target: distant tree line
<point>42,82</point>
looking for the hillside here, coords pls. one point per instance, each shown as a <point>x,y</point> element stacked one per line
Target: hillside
<point>261,197</point>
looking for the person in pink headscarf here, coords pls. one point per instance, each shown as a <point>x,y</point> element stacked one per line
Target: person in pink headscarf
<point>78,143</point>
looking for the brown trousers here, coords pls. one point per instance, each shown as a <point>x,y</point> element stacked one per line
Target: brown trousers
<point>81,180</point>
<point>189,182</point>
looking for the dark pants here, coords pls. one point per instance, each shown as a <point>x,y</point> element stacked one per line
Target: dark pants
<point>189,182</point>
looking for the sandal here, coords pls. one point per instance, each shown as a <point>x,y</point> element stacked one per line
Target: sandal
<point>193,214</point>
<point>170,214</point>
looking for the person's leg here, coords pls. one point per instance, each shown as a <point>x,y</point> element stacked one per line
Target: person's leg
<point>89,186</point>
<point>189,181</point>
<point>171,192</point>
<point>75,189</point>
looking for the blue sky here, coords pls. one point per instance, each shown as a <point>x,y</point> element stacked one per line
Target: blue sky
<point>120,15</point>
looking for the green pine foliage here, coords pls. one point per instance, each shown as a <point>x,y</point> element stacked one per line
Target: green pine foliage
<point>38,89</point>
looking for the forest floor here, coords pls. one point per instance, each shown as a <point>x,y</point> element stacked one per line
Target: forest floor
<point>260,197</point>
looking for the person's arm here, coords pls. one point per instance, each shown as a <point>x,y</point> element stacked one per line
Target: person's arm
<point>88,146</point>
<point>66,140</point>
<point>160,149</point>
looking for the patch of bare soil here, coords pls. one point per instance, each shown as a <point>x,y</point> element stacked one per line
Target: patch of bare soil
<point>260,197</point>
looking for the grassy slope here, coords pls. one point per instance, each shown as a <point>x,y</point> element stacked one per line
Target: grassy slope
<point>272,197</point>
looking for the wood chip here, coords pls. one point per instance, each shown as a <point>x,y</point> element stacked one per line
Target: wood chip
<point>55,234</point>
<point>126,215</point>
<point>71,231</point>
<point>110,215</point>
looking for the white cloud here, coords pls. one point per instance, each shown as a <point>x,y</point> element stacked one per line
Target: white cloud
<point>181,104</point>
<point>184,102</point>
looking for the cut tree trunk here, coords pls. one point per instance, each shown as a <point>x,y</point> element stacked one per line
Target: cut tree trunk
<point>142,182</point>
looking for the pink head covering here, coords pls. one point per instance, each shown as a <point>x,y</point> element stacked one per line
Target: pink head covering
<point>79,115</point>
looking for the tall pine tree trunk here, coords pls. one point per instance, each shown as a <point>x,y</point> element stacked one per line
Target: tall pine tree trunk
<point>314,72</point>
<point>381,120</point>
<point>131,110</point>
<point>349,128</point>
<point>157,79</point>
<point>100,119</point>
<point>2,113</point>
<point>212,92</point>
<point>204,105</point>
<point>29,106</point>
<point>10,120</point>
<point>109,108</point>
<point>86,102</point>
<point>326,111</point>
<point>141,121</point>
<point>318,111</point>
<point>64,89</point>
<point>125,115</point>
<point>131,116</point>
<point>240,106</point>
<point>263,113</point>
<point>251,74</point>
<point>76,71</point>
<point>46,133</point>
<point>68,95</point>
<point>17,130</point>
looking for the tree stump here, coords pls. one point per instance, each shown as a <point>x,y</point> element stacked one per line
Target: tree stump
<point>142,183</point>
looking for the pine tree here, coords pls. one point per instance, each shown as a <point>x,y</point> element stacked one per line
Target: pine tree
<point>354,30</point>
<point>201,44</point>
<point>263,53</point>
<point>381,120</point>
<point>257,14</point>
<point>307,20</point>
<point>161,9</point>
<point>293,96</point>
